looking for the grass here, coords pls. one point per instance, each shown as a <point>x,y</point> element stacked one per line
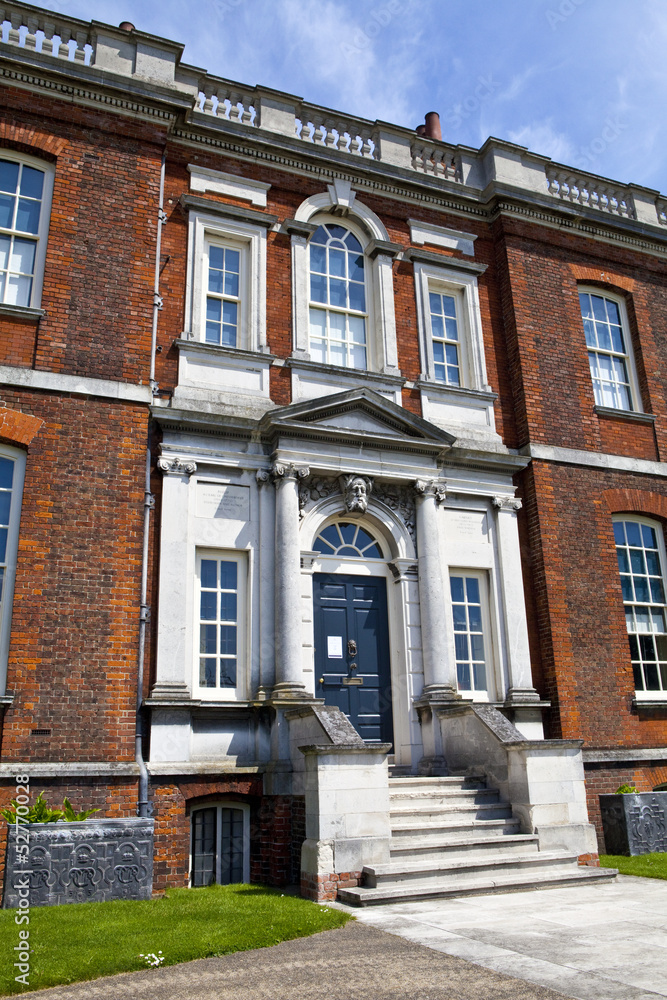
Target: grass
<point>81,941</point>
<point>645,865</point>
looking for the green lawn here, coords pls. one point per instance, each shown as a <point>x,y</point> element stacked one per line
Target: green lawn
<point>85,940</point>
<point>646,865</point>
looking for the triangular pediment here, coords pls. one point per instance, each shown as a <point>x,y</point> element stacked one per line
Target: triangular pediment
<point>359,413</point>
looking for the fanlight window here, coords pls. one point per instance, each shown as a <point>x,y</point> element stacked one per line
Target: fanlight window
<point>347,539</point>
<point>337,298</point>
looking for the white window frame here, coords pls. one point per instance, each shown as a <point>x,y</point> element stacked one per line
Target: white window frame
<point>629,356</point>
<point>204,230</point>
<point>369,345</point>
<point>464,289</point>
<point>482,577</point>
<point>40,239</point>
<point>239,692</point>
<point>662,556</point>
<point>218,806</point>
<point>11,556</point>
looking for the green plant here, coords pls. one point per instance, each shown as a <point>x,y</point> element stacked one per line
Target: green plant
<point>40,812</point>
<point>626,790</point>
<point>71,816</point>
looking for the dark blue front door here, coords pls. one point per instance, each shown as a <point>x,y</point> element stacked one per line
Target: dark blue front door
<point>352,667</point>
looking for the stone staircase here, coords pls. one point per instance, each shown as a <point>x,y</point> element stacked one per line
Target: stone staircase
<point>453,836</point>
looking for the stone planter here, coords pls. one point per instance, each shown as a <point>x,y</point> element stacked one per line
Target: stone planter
<point>95,860</point>
<point>634,823</point>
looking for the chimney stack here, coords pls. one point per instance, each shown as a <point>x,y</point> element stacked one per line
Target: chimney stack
<point>431,127</point>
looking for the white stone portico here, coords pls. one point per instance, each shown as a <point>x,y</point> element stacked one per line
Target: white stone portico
<point>264,490</point>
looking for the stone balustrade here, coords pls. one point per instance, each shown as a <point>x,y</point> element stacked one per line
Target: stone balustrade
<point>146,59</point>
<point>436,158</point>
<point>327,128</point>
<point>46,32</point>
<point>592,192</point>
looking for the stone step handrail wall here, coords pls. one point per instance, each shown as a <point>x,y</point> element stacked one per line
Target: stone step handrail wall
<point>111,53</point>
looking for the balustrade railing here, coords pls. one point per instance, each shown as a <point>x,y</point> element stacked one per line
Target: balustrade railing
<point>64,38</point>
<point>435,158</point>
<point>223,99</point>
<point>591,192</point>
<point>334,131</point>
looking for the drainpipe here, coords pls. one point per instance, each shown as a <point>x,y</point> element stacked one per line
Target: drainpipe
<point>149,503</point>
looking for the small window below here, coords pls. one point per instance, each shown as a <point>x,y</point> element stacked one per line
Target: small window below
<point>344,538</point>
<point>220,845</point>
<point>470,643</point>
<point>610,356</point>
<point>641,563</point>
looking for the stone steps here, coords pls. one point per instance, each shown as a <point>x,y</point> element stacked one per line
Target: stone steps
<point>453,836</point>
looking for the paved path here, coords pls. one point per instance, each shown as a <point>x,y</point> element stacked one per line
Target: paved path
<point>356,962</point>
<point>594,942</point>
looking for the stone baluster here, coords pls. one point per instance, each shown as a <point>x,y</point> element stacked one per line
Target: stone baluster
<point>289,669</point>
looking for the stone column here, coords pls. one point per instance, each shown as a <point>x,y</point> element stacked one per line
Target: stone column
<point>520,682</point>
<point>289,670</point>
<point>439,667</point>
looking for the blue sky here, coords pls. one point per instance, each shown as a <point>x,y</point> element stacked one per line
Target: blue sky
<point>582,81</point>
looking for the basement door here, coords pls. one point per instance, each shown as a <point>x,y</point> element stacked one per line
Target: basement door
<point>352,669</point>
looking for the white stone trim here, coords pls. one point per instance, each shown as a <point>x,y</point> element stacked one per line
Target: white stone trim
<point>440,236</point>
<point>92,769</point>
<point>336,196</point>
<point>27,378</point>
<point>620,756</point>
<point>594,459</point>
<point>204,228</point>
<point>217,182</point>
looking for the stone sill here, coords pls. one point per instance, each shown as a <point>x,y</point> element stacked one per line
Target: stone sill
<point>21,312</point>
<point>644,704</point>
<point>357,373</point>
<point>632,416</point>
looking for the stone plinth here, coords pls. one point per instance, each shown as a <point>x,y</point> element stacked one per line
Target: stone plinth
<point>95,860</point>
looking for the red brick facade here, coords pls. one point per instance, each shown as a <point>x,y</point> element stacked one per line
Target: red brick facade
<point>75,628</point>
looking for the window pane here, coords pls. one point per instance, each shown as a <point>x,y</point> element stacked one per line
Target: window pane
<point>7,211</point>
<point>318,259</point>
<point>456,584</point>
<point>649,537</point>
<point>5,504</point>
<point>27,216</point>
<point>463,676</point>
<point>32,182</point>
<point>632,530</point>
<point>17,291</point>
<point>472,589</point>
<point>337,293</point>
<point>357,297</point>
<point>207,639</point>
<point>228,640</point>
<point>207,672</point>
<point>9,175</point>
<point>3,544</point>
<point>23,257</point>
<point>356,266</point>
<point>209,605</point>
<point>318,288</point>
<point>227,673</point>
<point>479,673</point>
<point>337,263</point>
<point>227,607</point>
<point>460,621</point>
<point>228,575</point>
<point>6,473</point>
<point>461,645</point>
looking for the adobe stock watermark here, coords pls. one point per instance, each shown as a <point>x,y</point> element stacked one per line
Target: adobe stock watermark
<point>486,86</point>
<point>378,19</point>
<point>557,16</point>
<point>227,6</point>
<point>22,882</point>
<point>587,156</point>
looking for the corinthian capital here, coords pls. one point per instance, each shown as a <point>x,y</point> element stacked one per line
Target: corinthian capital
<point>176,466</point>
<point>284,471</point>
<point>431,488</point>
<point>507,503</point>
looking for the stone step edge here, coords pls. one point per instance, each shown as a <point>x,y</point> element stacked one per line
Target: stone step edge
<point>474,824</point>
<point>416,779</point>
<point>542,858</point>
<point>503,840</point>
<point>400,892</point>
<point>460,808</point>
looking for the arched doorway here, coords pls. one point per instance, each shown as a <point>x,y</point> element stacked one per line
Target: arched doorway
<point>351,627</point>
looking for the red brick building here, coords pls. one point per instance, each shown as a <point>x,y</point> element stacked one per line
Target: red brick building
<point>282,390</point>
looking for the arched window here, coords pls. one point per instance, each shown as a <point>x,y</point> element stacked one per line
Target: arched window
<point>641,562</point>
<point>220,844</point>
<point>338,310</point>
<point>345,538</point>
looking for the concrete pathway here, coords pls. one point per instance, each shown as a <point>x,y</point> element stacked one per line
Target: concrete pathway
<point>595,942</point>
<point>356,962</point>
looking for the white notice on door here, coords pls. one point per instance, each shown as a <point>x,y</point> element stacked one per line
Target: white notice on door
<point>335,647</point>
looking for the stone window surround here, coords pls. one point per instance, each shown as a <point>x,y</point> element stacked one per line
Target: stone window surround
<point>340,205</point>
<point>225,694</point>
<point>457,278</point>
<point>19,458</point>
<point>29,312</point>
<point>240,228</point>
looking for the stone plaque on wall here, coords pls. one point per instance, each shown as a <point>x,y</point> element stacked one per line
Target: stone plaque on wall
<point>219,500</point>
<point>634,823</point>
<point>92,861</point>
<point>469,524</point>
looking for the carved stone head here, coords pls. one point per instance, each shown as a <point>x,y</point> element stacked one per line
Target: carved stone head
<point>356,490</point>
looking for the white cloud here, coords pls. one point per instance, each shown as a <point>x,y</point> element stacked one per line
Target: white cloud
<point>543,138</point>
